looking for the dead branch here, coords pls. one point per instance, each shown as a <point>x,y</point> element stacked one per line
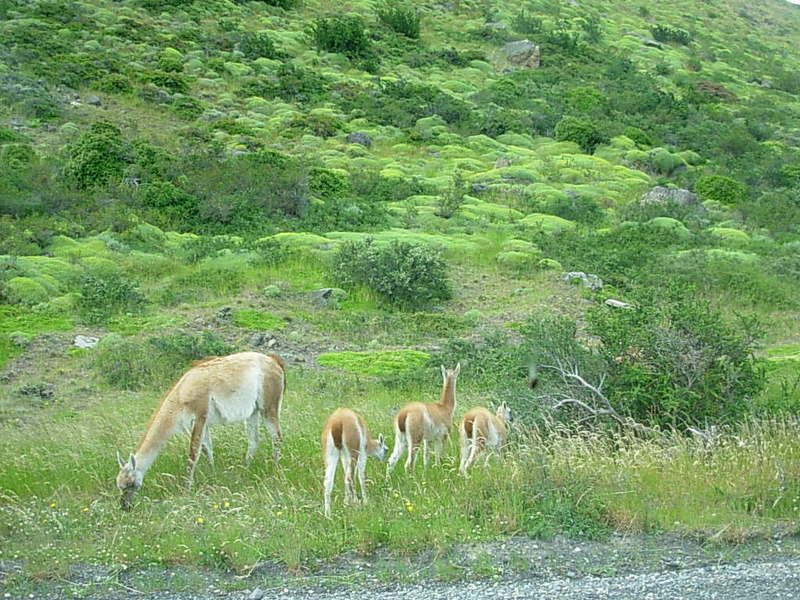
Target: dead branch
<point>572,378</point>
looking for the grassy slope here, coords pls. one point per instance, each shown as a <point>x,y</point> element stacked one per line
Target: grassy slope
<point>58,505</point>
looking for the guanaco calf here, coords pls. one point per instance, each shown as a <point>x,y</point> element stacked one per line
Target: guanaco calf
<point>345,437</point>
<point>481,430</point>
<point>246,386</point>
<point>425,423</point>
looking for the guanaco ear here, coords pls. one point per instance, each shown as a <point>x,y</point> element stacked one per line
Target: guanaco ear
<point>381,441</point>
<point>457,369</point>
<point>119,460</point>
<point>133,461</point>
<point>444,372</point>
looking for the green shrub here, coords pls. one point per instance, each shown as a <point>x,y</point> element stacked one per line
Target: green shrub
<point>279,3</point>
<point>327,183</point>
<point>173,82</point>
<point>573,207</point>
<point>25,291</point>
<point>585,100</point>
<point>722,189</point>
<point>108,294</point>
<point>641,137</point>
<point>155,362</point>
<point>345,35</point>
<point>291,83</point>
<point>583,132</point>
<point>675,360</point>
<point>98,156</point>
<point>406,275</point>
<point>527,24</point>
<point>320,125</point>
<point>666,33</point>
<point>170,61</point>
<point>400,19</point>
<point>778,211</point>
<point>114,83</point>
<point>450,201</point>
<point>186,107</point>
<point>257,45</point>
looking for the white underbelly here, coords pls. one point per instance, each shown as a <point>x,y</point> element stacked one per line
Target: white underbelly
<point>230,410</point>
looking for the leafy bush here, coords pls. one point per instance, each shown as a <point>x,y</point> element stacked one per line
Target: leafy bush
<point>108,294</point>
<point>722,189</point>
<point>401,103</point>
<point>98,156</point>
<point>345,35</point>
<point>450,201</point>
<point>574,207</point>
<point>257,45</point>
<point>666,33</point>
<point>320,125</point>
<point>114,83</point>
<point>402,274</point>
<point>401,19</point>
<point>583,132</point>
<point>24,290</point>
<point>778,211</point>
<point>290,83</point>
<point>527,24</point>
<point>675,361</point>
<point>155,362</point>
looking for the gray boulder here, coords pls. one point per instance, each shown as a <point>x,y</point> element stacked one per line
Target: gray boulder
<point>663,195</point>
<point>328,297</point>
<point>522,54</point>
<point>359,137</point>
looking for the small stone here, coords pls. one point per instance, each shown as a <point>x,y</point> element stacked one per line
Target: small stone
<point>225,314</point>
<point>617,303</point>
<point>94,100</point>
<point>85,341</point>
<point>256,594</point>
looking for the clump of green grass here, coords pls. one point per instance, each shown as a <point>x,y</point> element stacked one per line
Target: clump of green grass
<point>14,319</point>
<point>384,362</point>
<point>259,320</point>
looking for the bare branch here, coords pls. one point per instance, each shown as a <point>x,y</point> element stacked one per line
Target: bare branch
<point>571,376</point>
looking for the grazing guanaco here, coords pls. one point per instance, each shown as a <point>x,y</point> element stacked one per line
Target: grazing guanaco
<point>481,430</point>
<point>425,423</point>
<point>241,387</point>
<point>345,437</point>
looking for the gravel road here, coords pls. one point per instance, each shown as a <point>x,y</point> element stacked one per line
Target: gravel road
<point>632,568</point>
<point>748,581</point>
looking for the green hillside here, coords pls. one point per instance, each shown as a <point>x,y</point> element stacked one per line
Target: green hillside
<point>181,179</point>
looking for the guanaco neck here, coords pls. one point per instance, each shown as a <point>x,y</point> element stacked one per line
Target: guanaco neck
<point>448,397</point>
<point>160,428</point>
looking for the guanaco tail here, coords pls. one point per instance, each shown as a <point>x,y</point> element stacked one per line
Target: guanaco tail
<point>420,423</point>
<point>345,438</point>
<point>246,387</point>
<point>480,430</point>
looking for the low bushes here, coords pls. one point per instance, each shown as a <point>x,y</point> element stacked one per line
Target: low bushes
<point>402,274</point>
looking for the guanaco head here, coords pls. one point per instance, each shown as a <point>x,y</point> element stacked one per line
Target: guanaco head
<point>447,373</point>
<point>378,448</point>
<point>504,413</point>
<point>129,480</point>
